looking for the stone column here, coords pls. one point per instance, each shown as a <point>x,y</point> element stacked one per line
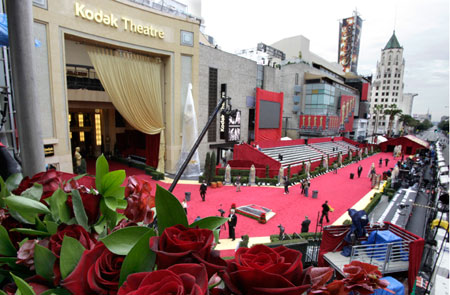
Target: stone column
<point>21,42</point>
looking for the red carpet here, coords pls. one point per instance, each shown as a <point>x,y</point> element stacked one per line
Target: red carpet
<point>340,191</point>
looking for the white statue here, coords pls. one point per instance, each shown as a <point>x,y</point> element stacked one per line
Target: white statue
<point>281,176</point>
<point>228,174</point>
<point>252,175</point>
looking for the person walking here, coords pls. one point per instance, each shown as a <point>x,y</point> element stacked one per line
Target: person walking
<point>307,184</point>
<point>360,168</point>
<point>203,188</point>
<point>185,205</point>
<point>286,185</point>
<point>238,183</point>
<point>305,225</point>
<point>372,171</point>
<point>380,163</point>
<point>303,186</point>
<point>280,157</point>
<point>232,221</point>
<point>386,161</point>
<point>325,210</point>
<point>335,167</point>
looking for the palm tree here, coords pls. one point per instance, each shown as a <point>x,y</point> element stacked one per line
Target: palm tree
<point>392,111</point>
<point>378,109</point>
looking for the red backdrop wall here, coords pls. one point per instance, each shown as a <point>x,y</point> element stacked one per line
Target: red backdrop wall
<point>267,134</point>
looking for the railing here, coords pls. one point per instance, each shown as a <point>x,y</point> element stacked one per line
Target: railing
<point>312,252</point>
<point>389,257</point>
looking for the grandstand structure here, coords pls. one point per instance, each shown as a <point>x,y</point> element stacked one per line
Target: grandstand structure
<point>295,153</point>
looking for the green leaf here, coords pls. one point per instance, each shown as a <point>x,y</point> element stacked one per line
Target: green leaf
<point>32,232</point>
<point>78,210</point>
<point>13,181</point>
<point>8,259</point>
<point>3,192</point>
<point>121,204</point>
<point>99,227</point>
<point>101,169</point>
<point>59,291</point>
<point>3,292</point>
<point>71,251</point>
<point>121,241</point>
<point>117,192</point>
<point>25,205</point>
<point>22,286</point>
<point>211,222</point>
<point>140,258</point>
<point>52,227</point>
<point>58,206</point>
<point>169,210</point>
<point>39,224</point>
<point>22,217</point>
<point>111,181</point>
<point>6,246</point>
<point>34,192</point>
<point>44,260</point>
<point>111,203</point>
<point>110,216</point>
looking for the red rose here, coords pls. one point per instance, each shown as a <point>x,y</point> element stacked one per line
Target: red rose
<point>140,201</point>
<point>38,283</point>
<point>91,201</point>
<point>363,277</point>
<point>97,272</point>
<point>179,244</point>
<point>178,279</point>
<point>263,270</point>
<point>50,180</point>
<point>74,231</point>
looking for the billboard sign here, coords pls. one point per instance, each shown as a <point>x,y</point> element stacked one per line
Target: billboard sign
<point>234,126</point>
<point>349,40</point>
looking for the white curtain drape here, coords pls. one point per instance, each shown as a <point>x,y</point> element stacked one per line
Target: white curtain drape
<point>133,82</point>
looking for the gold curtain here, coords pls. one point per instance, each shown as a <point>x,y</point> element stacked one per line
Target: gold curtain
<point>133,82</point>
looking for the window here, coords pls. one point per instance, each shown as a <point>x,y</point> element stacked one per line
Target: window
<point>376,99</point>
<point>296,78</point>
<point>376,93</point>
<point>187,38</point>
<point>378,87</point>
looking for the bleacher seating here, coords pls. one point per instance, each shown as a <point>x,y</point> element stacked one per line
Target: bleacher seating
<point>293,155</point>
<point>339,146</point>
<point>296,154</point>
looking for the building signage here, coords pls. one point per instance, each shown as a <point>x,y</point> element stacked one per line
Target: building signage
<point>109,19</point>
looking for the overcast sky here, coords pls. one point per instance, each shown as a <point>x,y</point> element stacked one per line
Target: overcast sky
<point>422,28</point>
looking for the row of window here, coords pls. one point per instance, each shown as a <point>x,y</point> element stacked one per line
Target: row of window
<point>387,93</point>
<point>319,99</point>
<point>386,100</point>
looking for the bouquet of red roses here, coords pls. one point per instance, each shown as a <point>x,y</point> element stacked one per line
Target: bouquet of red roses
<point>91,235</point>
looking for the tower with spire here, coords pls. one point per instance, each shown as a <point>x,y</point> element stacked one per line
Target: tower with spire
<point>387,87</point>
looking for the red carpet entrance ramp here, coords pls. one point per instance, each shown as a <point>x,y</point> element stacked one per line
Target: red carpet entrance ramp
<point>340,191</point>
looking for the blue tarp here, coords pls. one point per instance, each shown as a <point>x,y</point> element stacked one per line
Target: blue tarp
<point>394,286</point>
<point>3,30</point>
<point>379,238</point>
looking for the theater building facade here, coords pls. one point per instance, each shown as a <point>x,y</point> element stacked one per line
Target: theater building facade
<point>112,78</point>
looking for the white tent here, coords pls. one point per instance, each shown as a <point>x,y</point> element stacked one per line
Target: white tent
<point>190,135</point>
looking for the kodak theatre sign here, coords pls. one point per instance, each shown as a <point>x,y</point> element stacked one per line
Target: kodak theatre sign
<point>113,21</point>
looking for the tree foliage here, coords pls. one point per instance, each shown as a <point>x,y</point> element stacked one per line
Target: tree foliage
<point>443,125</point>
